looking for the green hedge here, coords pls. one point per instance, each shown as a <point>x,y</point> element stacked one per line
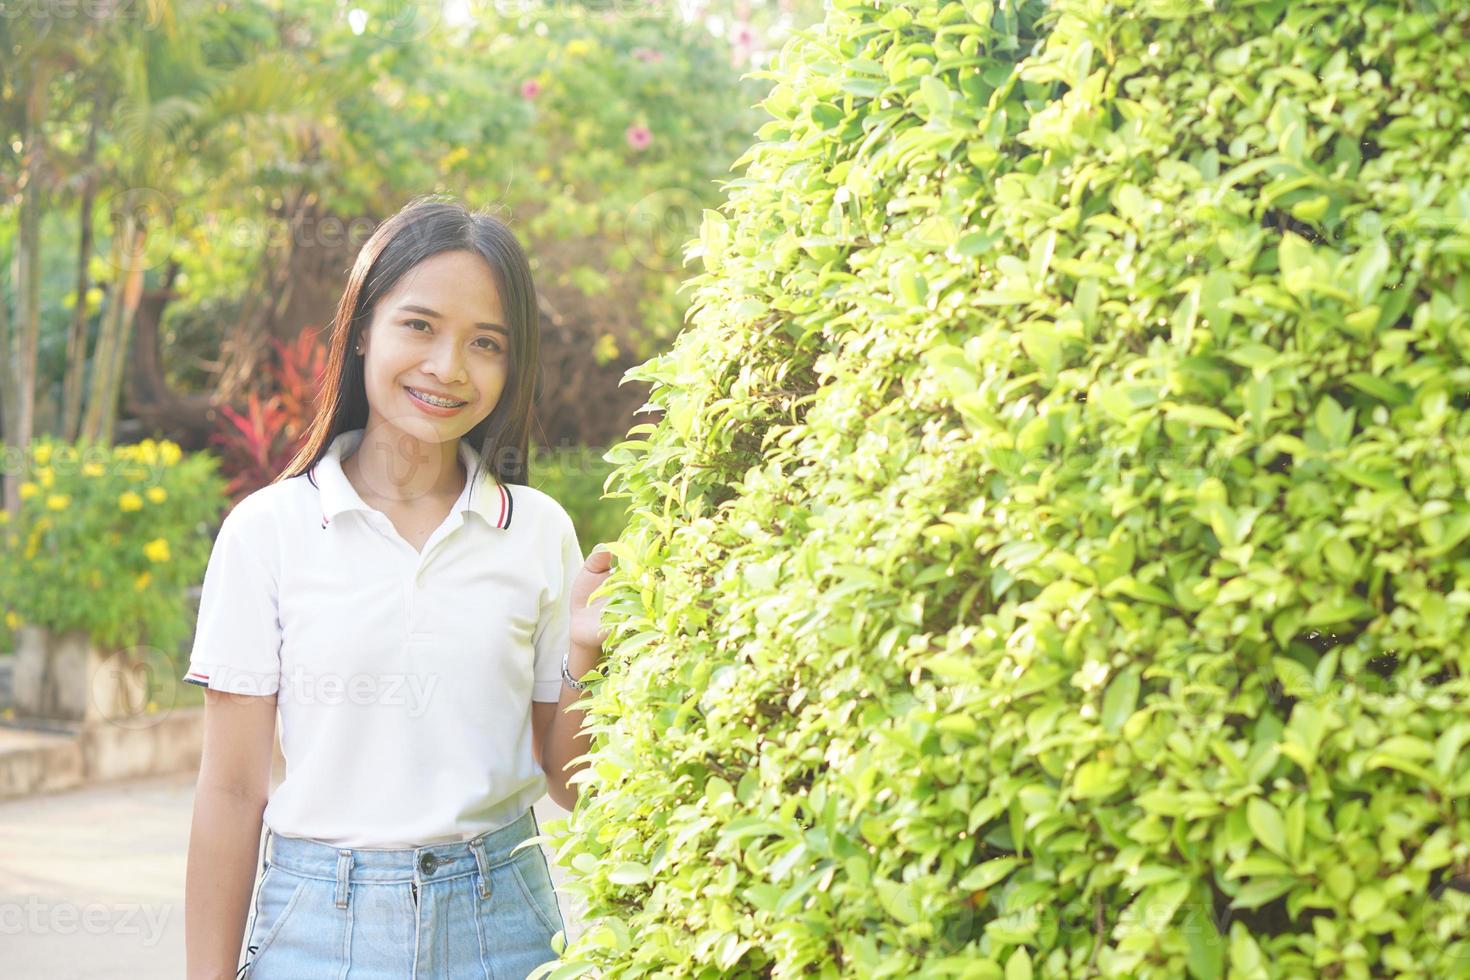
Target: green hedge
<point>1054,558</point>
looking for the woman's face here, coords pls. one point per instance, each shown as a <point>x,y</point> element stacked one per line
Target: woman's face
<point>440,330</point>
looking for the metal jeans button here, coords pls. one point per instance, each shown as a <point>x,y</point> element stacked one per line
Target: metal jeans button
<point>428,863</point>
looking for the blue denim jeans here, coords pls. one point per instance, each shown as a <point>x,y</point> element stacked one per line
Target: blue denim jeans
<point>460,910</point>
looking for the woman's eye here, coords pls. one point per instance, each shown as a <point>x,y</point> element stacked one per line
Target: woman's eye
<point>489,344</point>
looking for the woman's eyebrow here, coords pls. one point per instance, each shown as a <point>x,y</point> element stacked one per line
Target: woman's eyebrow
<point>428,312</point>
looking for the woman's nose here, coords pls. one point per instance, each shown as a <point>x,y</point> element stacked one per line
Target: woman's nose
<point>447,363</point>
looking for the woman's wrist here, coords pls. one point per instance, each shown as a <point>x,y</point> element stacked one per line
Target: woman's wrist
<point>582,659</point>
<point>577,662</point>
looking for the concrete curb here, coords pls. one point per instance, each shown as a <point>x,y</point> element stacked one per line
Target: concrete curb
<point>34,761</point>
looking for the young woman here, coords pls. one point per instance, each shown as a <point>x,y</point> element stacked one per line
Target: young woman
<point>418,617</point>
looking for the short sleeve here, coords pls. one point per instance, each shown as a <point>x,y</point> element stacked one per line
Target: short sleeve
<point>237,638</point>
<point>553,630</point>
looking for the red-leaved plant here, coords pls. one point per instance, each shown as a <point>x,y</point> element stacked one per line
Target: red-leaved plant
<point>257,444</point>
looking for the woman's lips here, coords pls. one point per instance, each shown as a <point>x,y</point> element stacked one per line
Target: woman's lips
<point>432,409</point>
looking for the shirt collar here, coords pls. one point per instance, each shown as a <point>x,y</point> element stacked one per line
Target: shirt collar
<point>487,497</point>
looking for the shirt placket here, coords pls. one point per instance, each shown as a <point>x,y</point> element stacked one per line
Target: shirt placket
<point>417,564</point>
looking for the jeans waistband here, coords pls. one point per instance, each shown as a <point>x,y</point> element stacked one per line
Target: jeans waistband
<point>431,862</point>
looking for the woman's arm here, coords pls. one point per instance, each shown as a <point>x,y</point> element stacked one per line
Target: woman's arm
<point>564,740</point>
<point>224,839</point>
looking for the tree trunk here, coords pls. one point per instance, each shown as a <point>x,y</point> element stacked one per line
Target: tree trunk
<point>149,405</point>
<point>26,275</point>
<point>9,408</point>
<point>132,294</point>
<point>144,379</point>
<point>76,338</point>
<point>92,422</point>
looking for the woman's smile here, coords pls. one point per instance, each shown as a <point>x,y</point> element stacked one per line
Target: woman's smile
<point>431,404</point>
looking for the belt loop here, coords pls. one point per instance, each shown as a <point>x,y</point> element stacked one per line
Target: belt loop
<point>344,868</point>
<point>478,847</point>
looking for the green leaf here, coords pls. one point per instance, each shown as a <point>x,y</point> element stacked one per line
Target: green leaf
<point>898,899</point>
<point>1266,824</point>
<point>1447,748</point>
<point>1245,955</point>
<point>937,96</point>
<point>1372,265</point>
<point>1335,424</point>
<point>867,88</point>
<point>1294,255</point>
<point>1339,609</point>
<point>987,873</point>
<point>1296,827</point>
<point>1371,478</point>
<point>1260,891</point>
<point>826,115</point>
<point>629,873</point>
<point>1018,967</point>
<point>1097,780</point>
<point>1200,415</point>
<point>1120,700</point>
<point>1206,957</point>
<point>958,723</point>
<point>1367,903</point>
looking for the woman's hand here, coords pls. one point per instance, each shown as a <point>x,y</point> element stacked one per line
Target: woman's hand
<point>587,632</point>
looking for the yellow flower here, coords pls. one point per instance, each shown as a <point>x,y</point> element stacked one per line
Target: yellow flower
<point>44,474</point>
<point>543,173</point>
<point>157,549</point>
<point>128,500</point>
<point>148,451</point>
<point>28,490</point>
<point>171,453</point>
<point>577,47</point>
<point>141,582</point>
<point>57,501</point>
<point>93,469</point>
<point>4,516</point>
<point>12,621</point>
<point>42,452</point>
<point>156,494</point>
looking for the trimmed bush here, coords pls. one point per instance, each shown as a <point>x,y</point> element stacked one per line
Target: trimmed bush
<point>1054,556</point>
<point>107,539</point>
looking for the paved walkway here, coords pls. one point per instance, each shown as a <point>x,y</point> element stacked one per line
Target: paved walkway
<point>92,881</point>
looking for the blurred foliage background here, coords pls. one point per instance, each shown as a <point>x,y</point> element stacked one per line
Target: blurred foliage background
<point>183,183</point>
<point>184,186</point>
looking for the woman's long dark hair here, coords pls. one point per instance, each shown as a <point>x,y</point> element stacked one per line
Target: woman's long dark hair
<point>427,225</point>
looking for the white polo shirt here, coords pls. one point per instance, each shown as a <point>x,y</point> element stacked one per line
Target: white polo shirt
<point>404,680</point>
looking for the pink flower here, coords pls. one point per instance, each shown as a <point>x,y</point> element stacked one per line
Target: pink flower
<point>530,88</point>
<point>648,54</point>
<point>639,136</point>
<point>743,34</point>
